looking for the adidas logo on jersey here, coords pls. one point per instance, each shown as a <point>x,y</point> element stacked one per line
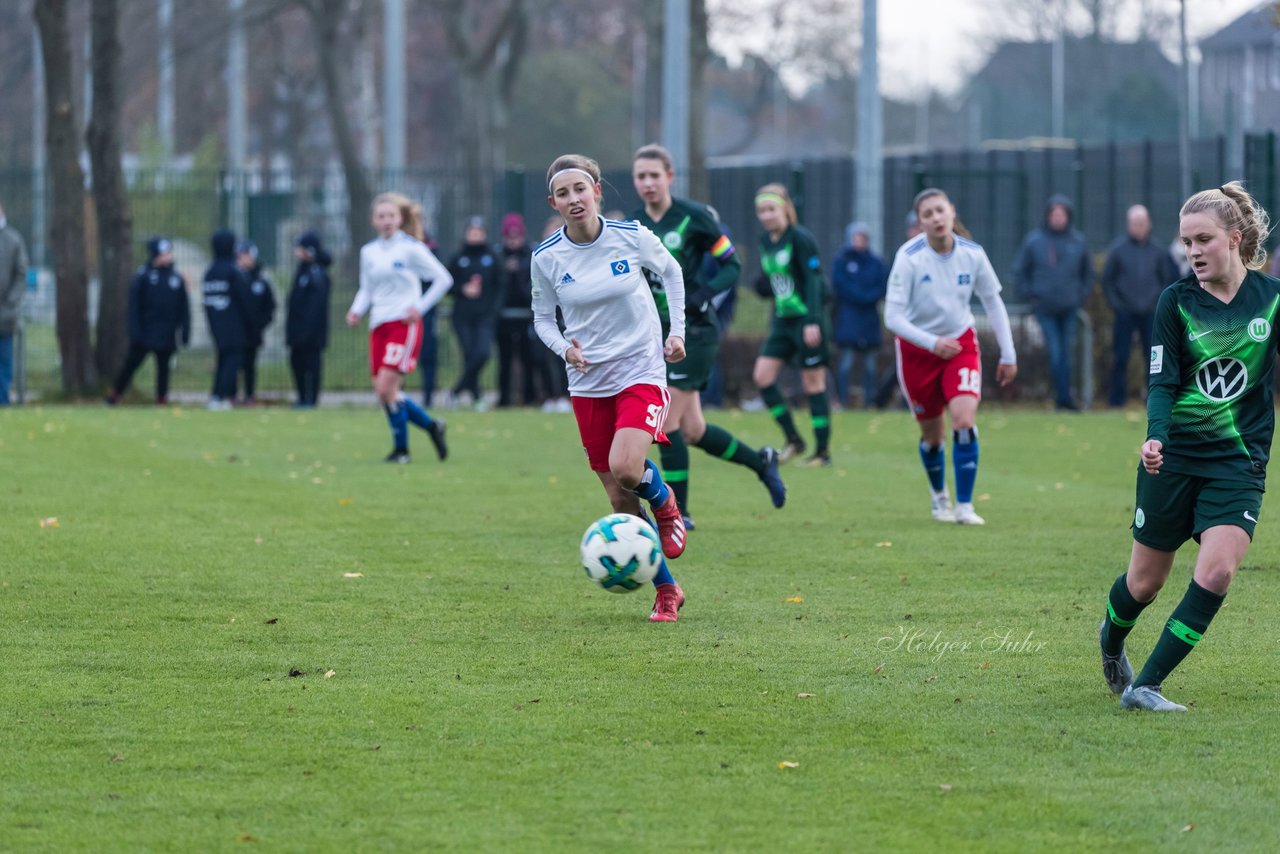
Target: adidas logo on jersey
<point>566,279</point>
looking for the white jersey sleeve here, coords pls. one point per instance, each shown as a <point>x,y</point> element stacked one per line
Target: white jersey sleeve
<point>544,310</point>
<point>364,294</point>
<point>658,259</point>
<point>902,282</point>
<point>427,267</point>
<point>987,288</point>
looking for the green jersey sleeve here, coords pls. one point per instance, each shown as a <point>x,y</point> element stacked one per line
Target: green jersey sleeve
<point>1165,368</point>
<point>807,268</point>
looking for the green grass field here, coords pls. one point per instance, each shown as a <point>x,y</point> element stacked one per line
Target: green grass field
<point>245,630</point>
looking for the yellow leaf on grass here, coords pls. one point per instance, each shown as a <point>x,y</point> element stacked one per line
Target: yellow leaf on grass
<point>946,787</point>
<point>884,544</point>
<point>344,502</point>
<point>786,763</point>
<point>805,696</point>
<point>51,522</point>
<point>353,575</point>
<point>1191,825</point>
<point>329,674</point>
<point>795,599</point>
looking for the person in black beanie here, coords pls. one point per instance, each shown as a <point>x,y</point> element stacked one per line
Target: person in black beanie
<point>159,310</point>
<point>262,309</point>
<point>226,305</point>
<point>475,308</point>
<point>306,326</point>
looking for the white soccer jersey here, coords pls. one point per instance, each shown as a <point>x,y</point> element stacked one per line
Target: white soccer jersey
<point>391,273</point>
<point>929,294</point>
<point>607,305</point>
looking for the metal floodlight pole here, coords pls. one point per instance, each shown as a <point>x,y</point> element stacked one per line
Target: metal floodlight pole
<point>1058,78</point>
<point>675,87</point>
<point>393,86</point>
<point>1184,105</point>
<point>164,97</point>
<point>38,150</point>
<point>236,118</point>
<point>868,203</point>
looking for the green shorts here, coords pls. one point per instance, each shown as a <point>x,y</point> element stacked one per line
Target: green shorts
<point>786,342</point>
<point>692,373</point>
<point>1173,507</point>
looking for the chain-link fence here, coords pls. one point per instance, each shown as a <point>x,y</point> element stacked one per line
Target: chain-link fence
<point>1000,194</point>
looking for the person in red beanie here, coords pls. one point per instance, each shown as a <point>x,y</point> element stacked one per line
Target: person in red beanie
<point>516,339</point>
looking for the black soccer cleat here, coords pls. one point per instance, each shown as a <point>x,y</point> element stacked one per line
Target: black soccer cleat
<point>399,456</point>
<point>436,432</point>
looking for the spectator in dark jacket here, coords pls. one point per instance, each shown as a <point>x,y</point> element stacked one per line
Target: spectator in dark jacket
<point>306,325</point>
<point>516,340</point>
<point>262,309</point>
<point>1137,270</point>
<point>159,314</point>
<point>476,299</point>
<point>860,280</point>
<point>226,305</point>
<point>1053,273</point>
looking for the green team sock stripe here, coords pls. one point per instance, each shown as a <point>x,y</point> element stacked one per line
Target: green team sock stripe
<point>1184,633</point>
<point>1124,624</point>
<point>730,451</point>
<point>675,475</point>
<point>820,421</point>
<point>778,411</point>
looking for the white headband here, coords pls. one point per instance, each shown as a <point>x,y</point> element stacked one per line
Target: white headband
<point>591,177</point>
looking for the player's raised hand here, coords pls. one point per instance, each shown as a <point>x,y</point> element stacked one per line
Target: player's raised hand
<point>1152,458</point>
<point>574,356</point>
<point>674,349</point>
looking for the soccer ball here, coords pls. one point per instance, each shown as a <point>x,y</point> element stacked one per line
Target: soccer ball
<point>621,552</point>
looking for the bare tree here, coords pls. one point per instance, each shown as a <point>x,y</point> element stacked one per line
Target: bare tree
<point>330,21</point>
<point>699,57</point>
<point>110,197</point>
<point>67,226</point>
<point>477,54</point>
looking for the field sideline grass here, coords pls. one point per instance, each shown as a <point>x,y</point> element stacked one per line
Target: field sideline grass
<point>470,690</point>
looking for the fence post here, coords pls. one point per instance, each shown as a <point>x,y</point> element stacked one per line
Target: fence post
<point>1086,359</point>
<point>515,190</point>
<point>797,183</point>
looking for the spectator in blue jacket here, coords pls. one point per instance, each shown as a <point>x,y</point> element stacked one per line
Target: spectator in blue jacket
<point>159,313</point>
<point>860,281</point>
<point>262,309</point>
<point>226,305</point>
<point>306,325</point>
<point>1054,274</point>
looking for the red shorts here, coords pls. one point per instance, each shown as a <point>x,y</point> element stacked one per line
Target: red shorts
<point>600,418</point>
<point>395,345</point>
<point>929,381</point>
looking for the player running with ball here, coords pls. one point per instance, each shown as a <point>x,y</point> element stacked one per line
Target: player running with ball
<point>592,270</point>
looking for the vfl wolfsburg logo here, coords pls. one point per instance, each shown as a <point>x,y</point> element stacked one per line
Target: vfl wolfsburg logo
<point>673,240</point>
<point>1222,379</point>
<point>1139,518</point>
<point>783,256</point>
<point>1259,329</point>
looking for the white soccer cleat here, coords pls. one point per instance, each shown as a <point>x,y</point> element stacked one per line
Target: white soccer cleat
<point>966,515</point>
<point>941,505</point>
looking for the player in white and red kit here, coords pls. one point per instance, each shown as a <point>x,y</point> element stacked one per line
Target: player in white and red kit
<point>392,268</point>
<point>592,270</point>
<point>935,275</point>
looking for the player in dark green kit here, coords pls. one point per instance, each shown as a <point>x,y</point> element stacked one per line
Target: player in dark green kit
<point>690,231</point>
<point>798,331</point>
<point>1210,420</point>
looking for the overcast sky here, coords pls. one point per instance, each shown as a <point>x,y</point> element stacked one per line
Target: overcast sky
<point>931,43</point>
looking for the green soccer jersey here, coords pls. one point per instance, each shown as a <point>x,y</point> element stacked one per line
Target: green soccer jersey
<point>691,231</point>
<point>794,271</point>
<point>1210,402</point>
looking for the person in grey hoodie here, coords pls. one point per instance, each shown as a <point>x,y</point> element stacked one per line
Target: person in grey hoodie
<point>13,284</point>
<point>1137,270</point>
<point>1054,273</point>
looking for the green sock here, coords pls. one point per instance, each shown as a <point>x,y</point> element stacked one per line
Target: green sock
<point>718,442</point>
<point>820,413</point>
<point>1122,613</point>
<point>1187,624</point>
<point>777,404</point>
<point>675,467</point>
